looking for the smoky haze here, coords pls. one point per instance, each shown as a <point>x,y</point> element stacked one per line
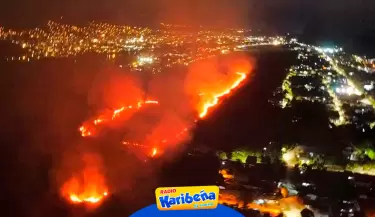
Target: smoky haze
<point>276,14</point>
<point>45,103</point>
<point>141,12</point>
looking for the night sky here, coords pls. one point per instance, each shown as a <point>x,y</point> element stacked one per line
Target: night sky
<point>210,12</point>
<point>347,22</point>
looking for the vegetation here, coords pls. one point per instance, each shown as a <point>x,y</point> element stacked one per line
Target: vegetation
<point>239,155</point>
<point>365,168</point>
<point>370,153</point>
<point>287,90</point>
<point>292,155</point>
<point>364,152</point>
<point>221,155</point>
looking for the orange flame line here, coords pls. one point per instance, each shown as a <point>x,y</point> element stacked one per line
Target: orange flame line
<point>76,199</point>
<point>84,129</point>
<point>216,98</point>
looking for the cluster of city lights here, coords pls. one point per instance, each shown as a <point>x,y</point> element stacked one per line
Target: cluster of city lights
<point>167,44</point>
<point>328,64</point>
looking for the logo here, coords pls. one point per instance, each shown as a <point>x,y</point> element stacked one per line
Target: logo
<point>187,198</point>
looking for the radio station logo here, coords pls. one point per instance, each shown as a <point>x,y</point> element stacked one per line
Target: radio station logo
<point>187,198</point>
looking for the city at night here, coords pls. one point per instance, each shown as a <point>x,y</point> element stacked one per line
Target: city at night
<point>188,108</point>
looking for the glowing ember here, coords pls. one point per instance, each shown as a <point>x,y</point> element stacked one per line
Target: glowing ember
<point>76,199</point>
<point>226,175</point>
<point>151,102</point>
<point>215,99</point>
<point>117,112</point>
<point>88,128</point>
<point>229,197</point>
<point>154,152</point>
<point>88,186</point>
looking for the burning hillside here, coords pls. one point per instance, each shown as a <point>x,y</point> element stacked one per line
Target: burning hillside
<point>88,185</point>
<point>176,103</point>
<point>88,128</point>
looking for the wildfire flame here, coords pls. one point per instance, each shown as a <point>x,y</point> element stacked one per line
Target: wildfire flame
<point>216,97</point>
<point>88,186</point>
<point>91,199</point>
<point>88,128</point>
<point>154,152</point>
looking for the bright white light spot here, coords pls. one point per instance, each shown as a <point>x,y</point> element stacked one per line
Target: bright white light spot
<point>368,87</point>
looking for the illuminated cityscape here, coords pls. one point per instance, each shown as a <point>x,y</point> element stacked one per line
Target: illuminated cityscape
<point>167,45</point>
<point>338,73</point>
<point>342,83</point>
<point>324,75</point>
<point>332,77</point>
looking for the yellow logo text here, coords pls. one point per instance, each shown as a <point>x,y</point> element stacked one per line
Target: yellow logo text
<point>187,198</point>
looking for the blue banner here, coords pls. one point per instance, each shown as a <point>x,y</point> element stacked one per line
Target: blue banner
<point>220,211</point>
